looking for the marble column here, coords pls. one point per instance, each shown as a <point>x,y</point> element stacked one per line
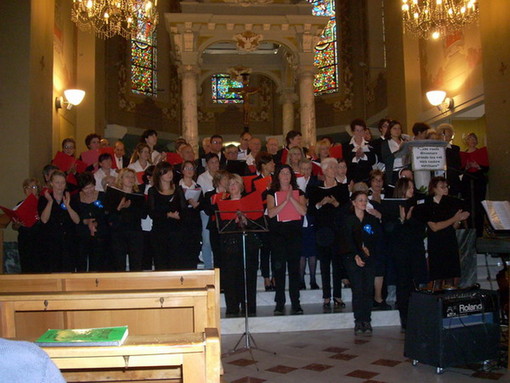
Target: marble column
<point>307,105</point>
<point>287,99</point>
<point>189,75</point>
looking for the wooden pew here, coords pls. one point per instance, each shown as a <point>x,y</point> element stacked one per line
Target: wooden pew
<point>191,357</point>
<point>133,281</point>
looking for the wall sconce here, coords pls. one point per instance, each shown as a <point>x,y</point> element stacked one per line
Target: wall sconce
<point>71,97</point>
<point>438,98</point>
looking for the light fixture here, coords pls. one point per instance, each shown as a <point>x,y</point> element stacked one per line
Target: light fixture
<point>71,97</point>
<point>438,98</point>
<point>107,18</point>
<point>437,18</point>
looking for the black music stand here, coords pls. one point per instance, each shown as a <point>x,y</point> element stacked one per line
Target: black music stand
<point>240,223</point>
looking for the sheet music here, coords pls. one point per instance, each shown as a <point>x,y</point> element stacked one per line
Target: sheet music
<point>498,213</point>
<point>193,194</point>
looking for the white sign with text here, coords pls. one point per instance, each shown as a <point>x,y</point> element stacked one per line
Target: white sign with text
<point>429,158</point>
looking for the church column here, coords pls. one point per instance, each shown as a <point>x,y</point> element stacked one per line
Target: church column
<point>307,105</point>
<point>287,98</point>
<point>189,74</point>
<point>494,34</point>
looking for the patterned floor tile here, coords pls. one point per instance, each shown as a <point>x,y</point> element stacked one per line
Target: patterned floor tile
<point>386,362</point>
<point>336,350</point>
<point>281,369</point>
<point>249,379</point>
<point>362,374</point>
<point>242,362</point>
<point>487,375</point>
<point>343,356</point>
<point>317,367</point>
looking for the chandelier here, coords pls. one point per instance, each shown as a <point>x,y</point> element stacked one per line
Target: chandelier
<point>107,18</point>
<point>437,18</point>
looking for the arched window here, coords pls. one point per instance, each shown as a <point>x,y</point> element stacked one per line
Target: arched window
<point>221,85</point>
<point>144,59</point>
<point>326,80</point>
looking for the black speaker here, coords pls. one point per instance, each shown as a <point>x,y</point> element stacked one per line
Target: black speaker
<point>453,328</point>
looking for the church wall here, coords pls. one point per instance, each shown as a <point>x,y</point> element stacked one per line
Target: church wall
<point>265,111</point>
<point>136,111</point>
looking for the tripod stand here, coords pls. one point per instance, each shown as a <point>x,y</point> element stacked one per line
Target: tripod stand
<point>240,223</point>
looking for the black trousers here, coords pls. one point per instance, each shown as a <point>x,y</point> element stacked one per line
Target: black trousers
<point>330,259</point>
<point>166,246</point>
<point>286,247</point>
<point>233,272</point>
<point>362,286</point>
<point>95,250</point>
<point>127,242</point>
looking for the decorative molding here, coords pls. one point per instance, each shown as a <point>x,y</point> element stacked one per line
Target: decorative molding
<point>248,41</point>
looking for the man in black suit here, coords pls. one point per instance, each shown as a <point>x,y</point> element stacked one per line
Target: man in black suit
<point>453,162</point>
<point>217,148</point>
<point>120,160</point>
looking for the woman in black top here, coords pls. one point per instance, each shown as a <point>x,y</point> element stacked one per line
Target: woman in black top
<point>265,167</point>
<point>232,257</point>
<point>125,224</point>
<point>58,221</point>
<point>325,204</point>
<point>220,183</point>
<point>443,215</point>
<point>165,204</point>
<point>359,234</point>
<point>92,231</point>
<point>286,237</point>
<point>190,217</point>
<point>359,155</point>
<point>406,247</point>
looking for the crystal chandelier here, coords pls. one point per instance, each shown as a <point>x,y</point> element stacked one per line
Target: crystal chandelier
<point>437,18</point>
<point>107,18</point>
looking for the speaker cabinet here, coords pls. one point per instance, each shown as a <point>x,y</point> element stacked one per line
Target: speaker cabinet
<point>452,329</point>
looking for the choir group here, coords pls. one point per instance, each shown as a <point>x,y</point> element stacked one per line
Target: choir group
<point>329,204</point>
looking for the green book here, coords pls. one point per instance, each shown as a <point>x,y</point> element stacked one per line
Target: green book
<point>103,336</point>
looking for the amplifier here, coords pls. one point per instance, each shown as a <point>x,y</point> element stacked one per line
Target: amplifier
<point>452,328</point>
<point>460,309</point>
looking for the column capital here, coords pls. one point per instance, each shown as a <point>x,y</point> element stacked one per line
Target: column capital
<point>306,70</point>
<point>288,96</point>
<point>187,69</point>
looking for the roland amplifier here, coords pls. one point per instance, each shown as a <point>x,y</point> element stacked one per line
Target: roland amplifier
<point>452,328</point>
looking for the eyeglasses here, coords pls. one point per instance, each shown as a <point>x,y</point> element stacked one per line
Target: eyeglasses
<point>68,147</point>
<point>216,142</point>
<point>32,187</point>
<point>189,168</point>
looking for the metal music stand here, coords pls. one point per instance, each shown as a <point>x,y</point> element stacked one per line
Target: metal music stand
<point>241,224</point>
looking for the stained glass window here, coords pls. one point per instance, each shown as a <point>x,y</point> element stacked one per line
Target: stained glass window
<point>326,80</point>
<point>144,78</point>
<point>221,85</point>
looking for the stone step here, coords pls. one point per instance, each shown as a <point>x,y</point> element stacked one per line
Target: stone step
<point>314,318</point>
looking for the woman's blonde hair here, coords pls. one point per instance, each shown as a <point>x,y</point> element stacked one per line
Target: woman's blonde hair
<point>237,178</point>
<point>295,149</point>
<point>120,176</point>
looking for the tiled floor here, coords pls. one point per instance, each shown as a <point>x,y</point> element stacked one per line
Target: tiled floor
<point>336,356</point>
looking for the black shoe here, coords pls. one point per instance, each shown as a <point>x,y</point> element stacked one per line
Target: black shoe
<point>268,287</point>
<point>327,303</point>
<point>367,328</point>
<point>339,303</point>
<point>381,306</point>
<point>358,328</point>
<point>314,286</point>
<point>302,286</point>
<point>279,310</point>
<point>232,314</point>
<point>296,311</point>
